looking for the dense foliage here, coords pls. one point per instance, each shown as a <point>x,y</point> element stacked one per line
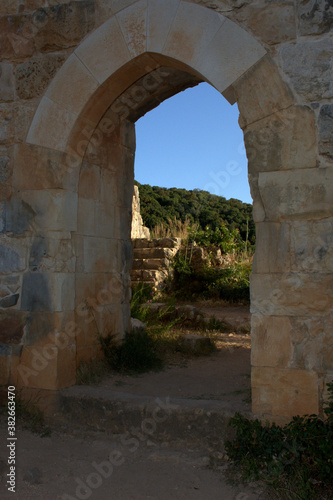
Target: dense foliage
<point>159,205</point>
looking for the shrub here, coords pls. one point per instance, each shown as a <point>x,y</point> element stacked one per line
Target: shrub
<point>136,353</point>
<point>296,459</point>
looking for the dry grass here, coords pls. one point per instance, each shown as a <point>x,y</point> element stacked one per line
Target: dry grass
<point>174,228</point>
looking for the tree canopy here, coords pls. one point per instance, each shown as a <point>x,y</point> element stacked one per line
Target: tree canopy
<point>159,205</point>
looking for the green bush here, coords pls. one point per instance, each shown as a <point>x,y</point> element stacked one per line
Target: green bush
<point>136,353</point>
<point>231,283</point>
<point>296,459</point>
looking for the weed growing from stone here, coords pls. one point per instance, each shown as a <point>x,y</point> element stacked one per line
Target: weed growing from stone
<point>295,461</point>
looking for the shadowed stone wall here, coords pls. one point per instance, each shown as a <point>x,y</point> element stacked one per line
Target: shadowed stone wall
<point>74,77</point>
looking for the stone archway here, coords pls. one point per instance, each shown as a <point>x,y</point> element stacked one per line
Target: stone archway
<point>72,207</point>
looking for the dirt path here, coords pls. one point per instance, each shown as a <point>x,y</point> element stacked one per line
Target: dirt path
<point>67,466</point>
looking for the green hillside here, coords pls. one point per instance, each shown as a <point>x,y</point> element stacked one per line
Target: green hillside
<point>159,204</point>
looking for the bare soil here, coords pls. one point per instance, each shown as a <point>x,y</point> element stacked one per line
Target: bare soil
<point>63,466</point>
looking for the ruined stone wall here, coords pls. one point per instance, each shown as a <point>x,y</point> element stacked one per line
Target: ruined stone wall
<point>65,173</point>
<point>138,229</point>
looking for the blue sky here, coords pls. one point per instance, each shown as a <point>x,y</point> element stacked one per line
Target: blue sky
<point>193,140</point>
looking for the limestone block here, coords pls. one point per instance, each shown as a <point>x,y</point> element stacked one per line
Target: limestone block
<point>291,294</point>
<point>284,392</point>
<point>52,255</point>
<point>40,168</point>
<point>133,24</point>
<point>48,368</point>
<point>96,219</point>
<point>24,112</point>
<point>160,17</point>
<point>96,255</point>
<point>142,243</point>
<point>48,292</point>
<point>315,17</point>
<point>12,323</point>
<point>309,67</point>
<point>7,82</point>
<point>5,362</point>
<point>12,44</point>
<point>5,167</point>
<point>192,30</point>
<point>87,354</point>
<point>104,51</point>
<point>235,50</point>
<point>306,193</point>
<point>325,124</point>
<point>73,85</point>
<point>63,25</point>
<point>13,255</point>
<point>95,290</point>
<point>90,182</point>
<point>55,209</point>
<point>272,253</point>
<point>271,341</point>
<point>154,253</point>
<point>17,216</point>
<point>285,140</point>
<point>273,23</point>
<point>56,328</point>
<point>167,242</point>
<point>7,120</point>
<point>312,340</point>
<point>261,92</point>
<point>9,285</point>
<point>118,5</point>
<point>34,75</point>
<point>9,7</point>
<point>312,246</point>
<point>9,301</point>
<point>62,123</point>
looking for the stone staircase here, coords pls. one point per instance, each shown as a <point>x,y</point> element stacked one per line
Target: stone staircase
<point>152,260</point>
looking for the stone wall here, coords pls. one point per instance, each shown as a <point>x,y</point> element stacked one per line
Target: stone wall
<point>138,229</point>
<point>74,77</point>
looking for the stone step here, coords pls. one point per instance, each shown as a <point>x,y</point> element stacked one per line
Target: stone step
<point>160,242</point>
<point>191,422</point>
<point>154,264</point>
<point>148,275</point>
<point>154,253</point>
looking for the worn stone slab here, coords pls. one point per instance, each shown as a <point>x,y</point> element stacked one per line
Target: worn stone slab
<point>261,92</point>
<point>325,124</point>
<point>299,294</point>
<point>54,209</point>
<point>104,51</point>
<point>308,64</point>
<point>133,24</point>
<point>284,392</point>
<point>192,30</point>
<point>299,194</point>
<point>272,253</point>
<point>286,140</point>
<point>314,17</point>
<point>7,82</point>
<point>48,292</point>
<point>271,341</point>
<point>40,168</point>
<point>311,247</point>
<point>34,75</point>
